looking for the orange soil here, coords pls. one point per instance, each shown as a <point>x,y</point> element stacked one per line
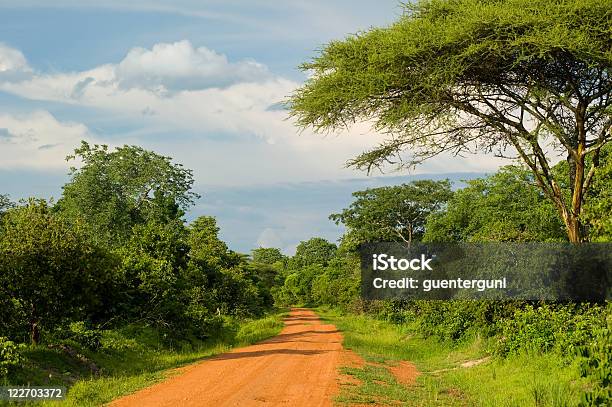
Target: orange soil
<point>404,372</point>
<point>298,367</point>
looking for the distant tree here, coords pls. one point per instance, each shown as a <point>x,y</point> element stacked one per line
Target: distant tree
<point>113,191</point>
<point>396,213</point>
<point>267,255</point>
<point>314,251</point>
<point>49,267</point>
<point>505,206</point>
<point>524,77</point>
<point>5,203</point>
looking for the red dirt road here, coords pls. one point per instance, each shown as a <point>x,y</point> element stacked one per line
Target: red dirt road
<point>298,367</point>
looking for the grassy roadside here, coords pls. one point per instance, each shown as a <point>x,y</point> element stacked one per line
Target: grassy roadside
<point>138,358</point>
<point>524,380</point>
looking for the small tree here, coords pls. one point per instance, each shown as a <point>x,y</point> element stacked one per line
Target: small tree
<point>529,76</point>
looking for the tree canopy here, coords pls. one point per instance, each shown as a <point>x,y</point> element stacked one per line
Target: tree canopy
<point>267,255</point>
<point>114,190</point>
<point>395,213</point>
<point>47,266</point>
<point>528,79</point>
<point>313,251</point>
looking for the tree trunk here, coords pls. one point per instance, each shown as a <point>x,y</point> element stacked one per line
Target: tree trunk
<point>576,177</point>
<point>34,326</point>
<point>574,229</point>
<point>34,332</point>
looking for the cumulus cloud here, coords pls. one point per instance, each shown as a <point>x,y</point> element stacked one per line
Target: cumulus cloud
<point>13,64</point>
<point>180,66</point>
<point>37,140</point>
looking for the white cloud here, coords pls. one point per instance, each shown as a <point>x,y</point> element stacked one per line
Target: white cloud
<point>13,64</point>
<point>37,140</point>
<point>269,238</point>
<point>179,66</point>
<point>222,114</point>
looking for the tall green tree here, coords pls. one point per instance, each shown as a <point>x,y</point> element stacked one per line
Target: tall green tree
<point>207,248</point>
<point>49,267</point>
<point>389,214</point>
<point>112,191</point>
<point>529,79</point>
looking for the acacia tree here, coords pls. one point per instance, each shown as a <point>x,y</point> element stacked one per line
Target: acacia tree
<point>526,79</point>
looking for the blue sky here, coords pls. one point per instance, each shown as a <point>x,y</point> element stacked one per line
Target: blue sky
<point>198,81</point>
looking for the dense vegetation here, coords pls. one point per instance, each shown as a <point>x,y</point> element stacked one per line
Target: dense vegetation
<point>113,274</point>
<point>112,270</point>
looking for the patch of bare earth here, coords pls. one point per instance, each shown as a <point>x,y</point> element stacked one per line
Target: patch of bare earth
<point>404,372</point>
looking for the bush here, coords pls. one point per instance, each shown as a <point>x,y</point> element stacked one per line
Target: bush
<point>597,365</point>
<point>115,341</point>
<point>89,338</point>
<point>548,327</point>
<point>10,356</point>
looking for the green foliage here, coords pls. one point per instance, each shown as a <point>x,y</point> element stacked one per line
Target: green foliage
<point>115,190</point>
<point>86,337</point>
<point>472,75</point>
<point>596,364</point>
<point>598,206</point>
<point>257,330</point>
<point>560,328</point>
<point>422,76</point>
<point>206,247</point>
<point>10,356</point>
<point>505,206</point>
<point>5,203</point>
<point>314,251</point>
<point>48,267</point>
<point>151,271</point>
<point>521,380</point>
<point>390,214</point>
<point>268,255</point>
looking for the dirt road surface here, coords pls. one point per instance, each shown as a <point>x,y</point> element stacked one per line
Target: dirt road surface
<point>298,367</point>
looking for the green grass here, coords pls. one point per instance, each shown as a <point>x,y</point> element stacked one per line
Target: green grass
<point>137,357</point>
<point>523,380</point>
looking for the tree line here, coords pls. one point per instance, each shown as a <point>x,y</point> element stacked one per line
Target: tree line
<point>115,249</point>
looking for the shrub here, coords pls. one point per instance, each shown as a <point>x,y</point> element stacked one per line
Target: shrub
<point>548,327</point>
<point>10,356</point>
<point>89,338</point>
<point>596,364</point>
